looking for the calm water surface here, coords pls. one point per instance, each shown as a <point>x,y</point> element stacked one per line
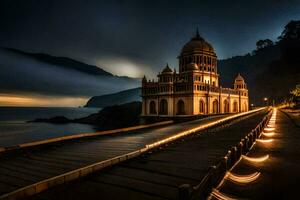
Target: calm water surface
<point>14,129</point>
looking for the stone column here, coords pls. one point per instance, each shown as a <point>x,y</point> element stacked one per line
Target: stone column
<point>240,102</point>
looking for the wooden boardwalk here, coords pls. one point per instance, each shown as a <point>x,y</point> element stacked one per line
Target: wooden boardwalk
<point>280,173</point>
<point>157,175</point>
<point>27,166</point>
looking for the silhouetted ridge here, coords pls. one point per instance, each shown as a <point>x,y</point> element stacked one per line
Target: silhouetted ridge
<point>65,62</point>
<point>115,98</point>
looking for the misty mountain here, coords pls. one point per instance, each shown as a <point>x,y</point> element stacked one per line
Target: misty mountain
<point>115,98</point>
<point>28,73</point>
<point>64,62</point>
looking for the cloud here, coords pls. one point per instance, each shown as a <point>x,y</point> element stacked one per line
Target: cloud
<point>22,75</point>
<point>125,67</point>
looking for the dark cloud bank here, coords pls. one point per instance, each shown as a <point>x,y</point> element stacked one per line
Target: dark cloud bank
<point>21,74</point>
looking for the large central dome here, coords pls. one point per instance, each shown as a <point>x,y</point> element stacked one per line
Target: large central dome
<point>197,43</point>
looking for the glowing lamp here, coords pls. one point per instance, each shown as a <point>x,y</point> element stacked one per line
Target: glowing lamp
<point>264,140</point>
<point>257,160</point>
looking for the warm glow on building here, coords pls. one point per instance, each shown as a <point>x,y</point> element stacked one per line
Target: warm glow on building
<point>195,89</point>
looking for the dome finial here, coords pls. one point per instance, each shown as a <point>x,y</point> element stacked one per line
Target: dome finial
<point>167,69</point>
<point>144,79</point>
<point>197,36</point>
<point>197,33</point>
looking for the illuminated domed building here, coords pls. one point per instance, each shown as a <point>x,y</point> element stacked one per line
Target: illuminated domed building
<point>195,90</point>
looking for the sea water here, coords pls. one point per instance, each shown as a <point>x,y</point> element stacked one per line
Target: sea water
<point>14,128</point>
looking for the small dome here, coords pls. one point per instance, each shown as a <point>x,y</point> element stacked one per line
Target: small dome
<point>239,78</point>
<point>192,66</point>
<point>144,79</point>
<point>197,43</point>
<point>167,69</point>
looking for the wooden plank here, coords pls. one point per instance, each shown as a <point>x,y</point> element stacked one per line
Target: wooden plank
<point>5,188</point>
<point>23,170</point>
<point>12,180</point>
<point>94,155</point>
<point>46,165</point>
<point>65,164</point>
<point>18,175</point>
<point>166,170</point>
<point>96,150</point>
<point>65,157</point>
<point>93,190</point>
<point>162,191</point>
<point>155,178</point>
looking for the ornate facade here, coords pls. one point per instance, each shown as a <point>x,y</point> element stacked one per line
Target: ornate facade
<point>195,89</point>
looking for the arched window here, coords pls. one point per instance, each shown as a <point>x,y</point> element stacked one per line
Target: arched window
<point>226,106</point>
<point>201,106</point>
<point>235,106</point>
<point>152,107</point>
<point>180,108</point>
<point>215,107</point>
<point>163,107</point>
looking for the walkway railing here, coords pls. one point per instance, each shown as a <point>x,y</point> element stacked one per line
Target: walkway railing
<point>216,173</point>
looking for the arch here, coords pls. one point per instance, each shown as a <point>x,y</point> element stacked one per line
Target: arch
<point>226,106</point>
<point>201,106</point>
<point>215,106</point>
<point>235,106</point>
<point>180,107</point>
<point>152,107</point>
<point>163,107</point>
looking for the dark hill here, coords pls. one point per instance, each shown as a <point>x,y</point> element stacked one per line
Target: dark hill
<point>282,75</point>
<point>249,65</point>
<point>115,98</point>
<point>111,117</point>
<point>117,116</point>
<point>65,62</point>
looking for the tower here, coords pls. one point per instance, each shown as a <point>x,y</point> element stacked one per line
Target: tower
<point>200,52</point>
<point>241,87</point>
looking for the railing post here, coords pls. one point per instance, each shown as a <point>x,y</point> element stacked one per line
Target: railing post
<point>247,146</point>
<point>229,156</point>
<point>233,155</point>
<point>250,141</point>
<point>184,192</point>
<point>244,149</point>
<point>256,133</point>
<point>250,138</point>
<point>240,149</point>
<point>224,164</point>
<point>213,178</point>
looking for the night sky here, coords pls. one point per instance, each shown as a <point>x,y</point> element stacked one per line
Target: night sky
<point>134,38</point>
